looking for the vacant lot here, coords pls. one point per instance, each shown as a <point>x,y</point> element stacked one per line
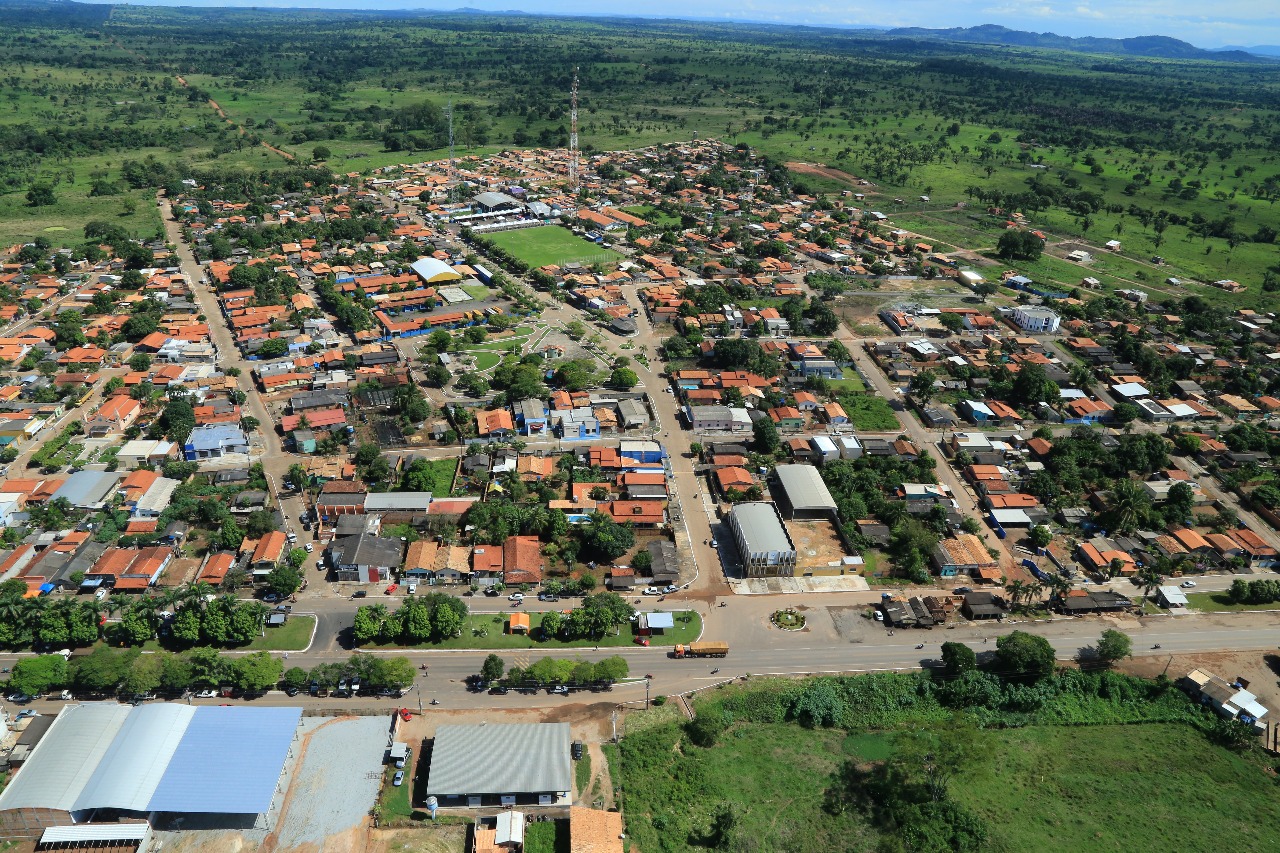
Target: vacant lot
<point>1034,786</point>
<point>552,244</point>
<point>869,414</point>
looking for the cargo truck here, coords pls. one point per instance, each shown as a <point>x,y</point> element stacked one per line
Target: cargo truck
<point>701,650</point>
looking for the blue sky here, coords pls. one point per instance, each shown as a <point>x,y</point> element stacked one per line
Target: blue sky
<point>1207,23</point>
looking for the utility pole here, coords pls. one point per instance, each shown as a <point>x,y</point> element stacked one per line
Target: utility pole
<point>573,135</point>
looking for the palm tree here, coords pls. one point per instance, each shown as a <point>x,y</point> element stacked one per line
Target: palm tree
<point>1127,505</point>
<point>1017,590</point>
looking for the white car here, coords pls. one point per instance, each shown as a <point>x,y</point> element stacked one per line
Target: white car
<point>1187,584</point>
<point>207,694</point>
<point>309,547</point>
<point>516,596</point>
<point>652,590</point>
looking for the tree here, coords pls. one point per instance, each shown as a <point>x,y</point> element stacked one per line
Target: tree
<point>1023,657</point>
<point>1125,413</point>
<point>285,579</point>
<point>1041,536</point>
<point>103,670</point>
<point>273,348</point>
<point>145,675</point>
<point>553,623</point>
<point>952,322</point>
<point>321,152</point>
<point>1179,503</point>
<point>605,538</point>
<point>256,672</point>
<point>35,676</point>
<point>41,195</point>
<point>766,436</point>
<point>1020,245</point>
<point>922,383</point>
<point>958,659</point>
<point>624,378</point>
<point>1113,645</point>
<point>935,755</point>
<point>492,668</point>
<point>295,677</point>
<point>396,673</point>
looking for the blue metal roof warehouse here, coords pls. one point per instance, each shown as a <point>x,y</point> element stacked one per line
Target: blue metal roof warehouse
<point>164,757</point>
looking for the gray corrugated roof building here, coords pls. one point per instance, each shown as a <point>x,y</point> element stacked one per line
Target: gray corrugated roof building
<point>88,489</point>
<point>802,492</point>
<point>503,759</point>
<point>763,541</point>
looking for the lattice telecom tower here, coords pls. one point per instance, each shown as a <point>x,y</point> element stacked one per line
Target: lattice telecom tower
<point>449,114</point>
<point>573,134</point>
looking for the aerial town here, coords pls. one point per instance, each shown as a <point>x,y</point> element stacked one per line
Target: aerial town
<point>655,408</point>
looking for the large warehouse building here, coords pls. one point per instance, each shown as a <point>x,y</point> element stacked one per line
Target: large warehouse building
<point>107,762</point>
<point>501,765</point>
<point>763,542</point>
<point>801,494</point>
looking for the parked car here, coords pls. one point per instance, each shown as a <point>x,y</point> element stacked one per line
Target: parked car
<point>392,588</point>
<point>271,597</point>
<point>652,590</point>
<point>400,763</point>
<point>360,593</point>
<point>516,596</point>
<point>18,698</point>
<point>22,715</point>
<point>405,715</point>
<point>309,547</point>
<point>546,596</point>
<point>961,590</point>
<point>291,691</point>
<point>670,588</point>
<point>498,690</point>
<point>576,750</point>
<point>412,588</point>
<point>385,692</point>
<point>207,694</point>
<point>398,779</point>
<point>1187,584</point>
<point>559,690</point>
<point>715,544</point>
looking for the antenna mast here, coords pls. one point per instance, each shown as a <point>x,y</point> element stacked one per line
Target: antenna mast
<point>573,134</point>
<point>449,113</point>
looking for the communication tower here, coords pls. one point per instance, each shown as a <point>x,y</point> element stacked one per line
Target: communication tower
<point>573,134</point>
<point>449,113</point>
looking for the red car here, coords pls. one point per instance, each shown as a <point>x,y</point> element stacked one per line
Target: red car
<point>404,714</point>
<point>392,588</point>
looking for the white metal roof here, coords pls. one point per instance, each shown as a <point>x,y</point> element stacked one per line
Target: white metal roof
<point>501,759</point>
<point>90,832</point>
<point>133,765</point>
<point>64,760</point>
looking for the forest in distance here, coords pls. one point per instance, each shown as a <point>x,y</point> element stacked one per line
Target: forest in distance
<point>1173,156</point>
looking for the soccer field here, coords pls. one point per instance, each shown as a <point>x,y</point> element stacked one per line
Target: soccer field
<point>551,244</point>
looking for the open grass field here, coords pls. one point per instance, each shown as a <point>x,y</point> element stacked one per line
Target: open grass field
<point>1033,787</point>
<point>869,414</point>
<point>1215,602</point>
<point>551,244</point>
<point>487,360</point>
<point>441,472</point>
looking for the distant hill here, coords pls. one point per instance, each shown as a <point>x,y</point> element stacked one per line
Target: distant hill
<point>1161,47</point>
<point>63,13</point>
<point>1256,50</point>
